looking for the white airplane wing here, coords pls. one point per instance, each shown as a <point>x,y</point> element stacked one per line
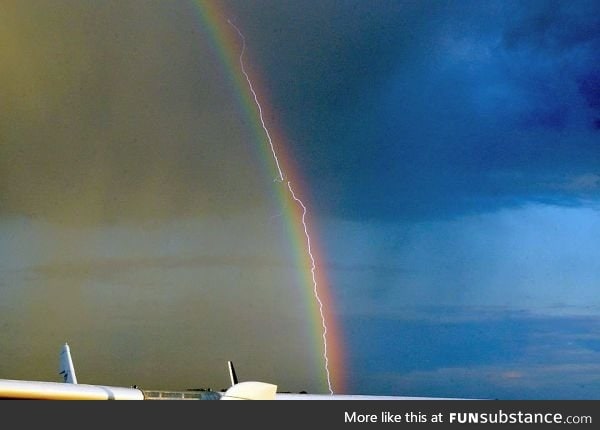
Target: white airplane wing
<point>67,390</point>
<point>42,390</point>
<point>70,389</point>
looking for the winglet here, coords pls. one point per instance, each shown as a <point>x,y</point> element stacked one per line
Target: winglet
<point>66,368</point>
<point>232,375</point>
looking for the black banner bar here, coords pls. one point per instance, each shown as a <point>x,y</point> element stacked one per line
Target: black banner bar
<point>406,414</point>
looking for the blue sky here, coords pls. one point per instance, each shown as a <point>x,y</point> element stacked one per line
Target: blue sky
<point>449,153</point>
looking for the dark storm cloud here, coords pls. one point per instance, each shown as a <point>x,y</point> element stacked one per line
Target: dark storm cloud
<point>589,86</point>
<point>590,89</point>
<point>553,25</point>
<point>563,30</point>
<point>393,109</point>
<point>431,109</point>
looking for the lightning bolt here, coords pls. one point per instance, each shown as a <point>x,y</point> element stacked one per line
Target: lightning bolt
<point>281,178</point>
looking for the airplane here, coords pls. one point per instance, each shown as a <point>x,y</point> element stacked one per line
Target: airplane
<point>71,389</point>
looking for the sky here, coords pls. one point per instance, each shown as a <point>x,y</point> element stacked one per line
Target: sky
<point>447,154</point>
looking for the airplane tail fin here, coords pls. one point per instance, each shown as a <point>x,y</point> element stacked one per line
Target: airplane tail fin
<point>66,368</point>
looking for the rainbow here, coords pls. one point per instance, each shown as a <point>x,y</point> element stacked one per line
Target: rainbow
<point>276,164</point>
